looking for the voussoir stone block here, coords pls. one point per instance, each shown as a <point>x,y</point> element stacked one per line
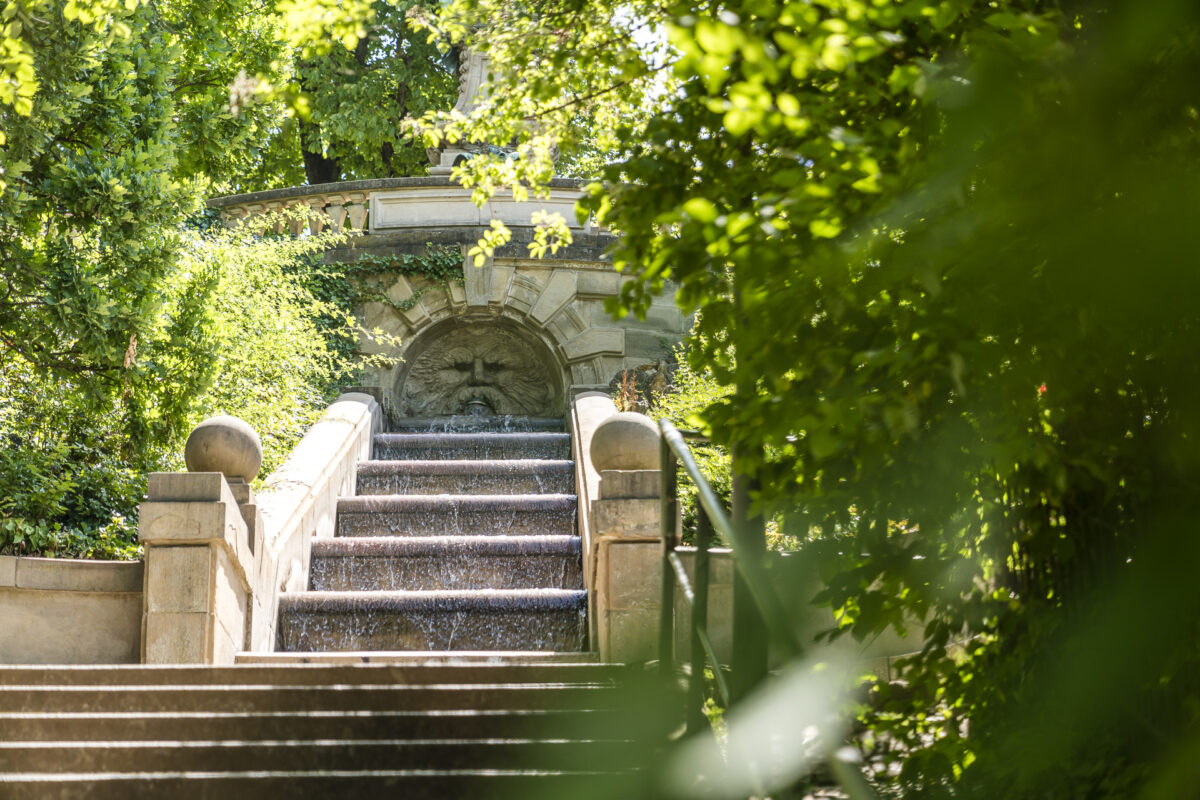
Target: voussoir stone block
<point>560,290</point>
<point>594,342</point>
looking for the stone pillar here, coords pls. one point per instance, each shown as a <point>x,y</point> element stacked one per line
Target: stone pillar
<point>625,525</point>
<point>200,531</point>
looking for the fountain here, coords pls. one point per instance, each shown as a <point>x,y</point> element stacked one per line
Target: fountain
<point>460,536</point>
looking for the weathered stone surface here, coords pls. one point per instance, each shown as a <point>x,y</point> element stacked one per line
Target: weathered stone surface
<point>634,573</point>
<point>179,579</point>
<point>8,570</point>
<point>626,441</point>
<point>616,484</point>
<point>502,275</point>
<point>75,575</point>
<point>559,290</point>
<point>178,638</point>
<point>449,204</point>
<point>186,486</point>
<point>598,283</point>
<point>632,635</point>
<point>481,363</point>
<point>594,342</point>
<point>626,518</point>
<point>224,444</point>
<point>70,626</point>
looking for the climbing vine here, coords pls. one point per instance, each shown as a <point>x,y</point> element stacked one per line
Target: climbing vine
<point>348,285</point>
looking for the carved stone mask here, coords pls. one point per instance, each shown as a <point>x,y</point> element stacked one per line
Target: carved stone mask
<point>481,364</point>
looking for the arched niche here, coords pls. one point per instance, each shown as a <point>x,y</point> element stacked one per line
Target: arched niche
<point>459,365</point>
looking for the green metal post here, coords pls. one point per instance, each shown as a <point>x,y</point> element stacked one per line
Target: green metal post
<point>750,639</point>
<point>696,720</point>
<point>667,514</point>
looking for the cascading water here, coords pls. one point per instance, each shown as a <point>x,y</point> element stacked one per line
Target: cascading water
<point>461,537</point>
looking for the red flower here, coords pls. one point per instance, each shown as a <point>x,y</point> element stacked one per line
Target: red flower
<point>1042,389</point>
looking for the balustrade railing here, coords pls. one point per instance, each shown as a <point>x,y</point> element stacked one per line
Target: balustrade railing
<point>336,210</point>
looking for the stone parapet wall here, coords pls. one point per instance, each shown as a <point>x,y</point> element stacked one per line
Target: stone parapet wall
<point>66,611</point>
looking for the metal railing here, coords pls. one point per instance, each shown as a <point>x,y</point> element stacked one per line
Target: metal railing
<point>712,517</point>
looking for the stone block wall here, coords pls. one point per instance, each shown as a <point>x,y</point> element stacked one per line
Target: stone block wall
<point>65,611</point>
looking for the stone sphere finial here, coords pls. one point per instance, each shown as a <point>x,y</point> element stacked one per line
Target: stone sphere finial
<point>626,441</point>
<point>224,444</point>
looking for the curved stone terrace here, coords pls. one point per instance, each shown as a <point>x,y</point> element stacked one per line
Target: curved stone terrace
<point>395,205</point>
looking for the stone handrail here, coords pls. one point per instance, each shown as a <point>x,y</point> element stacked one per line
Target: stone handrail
<point>299,503</point>
<point>588,410</point>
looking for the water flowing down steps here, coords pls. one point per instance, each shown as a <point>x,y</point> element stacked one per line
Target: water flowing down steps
<point>480,725</point>
<point>438,653</point>
<point>461,536</point>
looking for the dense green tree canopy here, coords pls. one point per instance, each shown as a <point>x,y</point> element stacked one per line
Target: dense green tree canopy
<point>940,250</point>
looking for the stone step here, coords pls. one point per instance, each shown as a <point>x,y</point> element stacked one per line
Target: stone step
<point>458,446</point>
<point>237,755</point>
<point>320,785</point>
<point>471,424</point>
<point>466,477</point>
<point>282,669</point>
<point>423,563</point>
<point>257,697</point>
<point>431,657</point>
<point>358,725</point>
<point>444,515</point>
<point>540,619</point>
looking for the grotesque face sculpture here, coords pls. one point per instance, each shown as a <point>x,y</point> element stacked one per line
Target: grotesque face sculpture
<point>479,369</point>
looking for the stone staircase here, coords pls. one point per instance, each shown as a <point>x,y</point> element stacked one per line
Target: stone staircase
<point>427,728</point>
<point>459,539</point>
<point>440,652</point>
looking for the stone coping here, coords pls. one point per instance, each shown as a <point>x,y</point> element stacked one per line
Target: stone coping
<point>377,184</point>
<point>500,600</point>
<point>444,546</point>
<point>70,574</point>
<point>442,504</point>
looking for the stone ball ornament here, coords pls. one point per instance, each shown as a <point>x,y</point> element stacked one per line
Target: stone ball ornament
<point>224,444</point>
<point>627,440</point>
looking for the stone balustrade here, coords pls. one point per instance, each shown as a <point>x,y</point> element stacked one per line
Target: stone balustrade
<point>334,206</point>
<point>395,203</point>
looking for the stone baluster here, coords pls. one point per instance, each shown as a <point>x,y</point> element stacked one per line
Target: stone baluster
<point>336,211</point>
<point>356,209</point>
<point>318,219</point>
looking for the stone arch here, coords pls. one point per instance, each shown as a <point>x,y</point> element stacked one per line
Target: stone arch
<point>553,304</point>
<point>490,363</point>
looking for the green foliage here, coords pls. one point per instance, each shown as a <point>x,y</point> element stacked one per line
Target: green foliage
<point>269,351</point>
<point>347,96</point>
<point>359,96</point>
<point>236,332</point>
<point>345,287</point>
<point>691,392</point>
<point>946,241</point>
